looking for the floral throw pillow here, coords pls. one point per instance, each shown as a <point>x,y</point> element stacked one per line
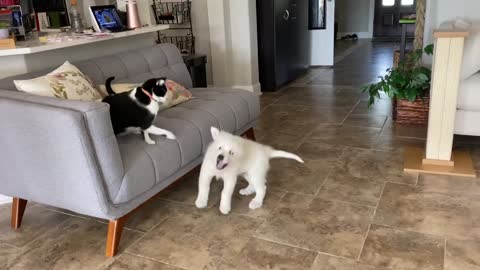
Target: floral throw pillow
<point>179,93</point>
<point>66,82</point>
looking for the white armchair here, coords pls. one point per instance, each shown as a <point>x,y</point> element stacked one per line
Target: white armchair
<point>467,118</point>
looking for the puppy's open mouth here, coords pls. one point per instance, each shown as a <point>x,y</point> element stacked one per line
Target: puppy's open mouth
<point>221,165</point>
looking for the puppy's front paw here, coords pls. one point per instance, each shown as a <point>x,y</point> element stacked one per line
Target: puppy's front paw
<point>225,209</point>
<point>254,204</point>
<point>170,136</point>
<point>201,203</point>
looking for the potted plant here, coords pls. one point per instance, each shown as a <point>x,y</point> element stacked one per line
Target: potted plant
<point>409,87</point>
<point>4,30</point>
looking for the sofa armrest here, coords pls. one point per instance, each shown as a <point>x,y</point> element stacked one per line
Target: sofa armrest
<point>58,152</point>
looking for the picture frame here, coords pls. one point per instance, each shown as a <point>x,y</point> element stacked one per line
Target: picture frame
<point>317,13</point>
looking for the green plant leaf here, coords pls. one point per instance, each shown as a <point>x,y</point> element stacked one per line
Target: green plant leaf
<point>428,49</point>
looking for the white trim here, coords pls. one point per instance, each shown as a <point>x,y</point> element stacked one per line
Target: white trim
<point>5,199</point>
<point>360,34</point>
<point>255,88</point>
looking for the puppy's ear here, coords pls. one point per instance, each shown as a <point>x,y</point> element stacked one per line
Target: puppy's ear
<point>215,132</point>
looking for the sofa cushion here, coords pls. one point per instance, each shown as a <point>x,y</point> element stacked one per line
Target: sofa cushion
<point>148,165</point>
<point>469,93</point>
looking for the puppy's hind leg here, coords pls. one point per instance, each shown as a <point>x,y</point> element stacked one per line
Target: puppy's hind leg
<point>229,183</point>
<point>159,131</point>
<point>203,188</point>
<point>249,189</point>
<point>259,184</point>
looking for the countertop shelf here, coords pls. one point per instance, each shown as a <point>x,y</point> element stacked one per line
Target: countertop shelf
<point>29,47</point>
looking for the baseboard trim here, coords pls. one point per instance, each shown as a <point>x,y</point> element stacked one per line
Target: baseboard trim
<point>359,34</point>
<point>255,88</point>
<point>5,199</point>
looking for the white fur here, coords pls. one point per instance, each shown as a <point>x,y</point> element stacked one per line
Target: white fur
<point>243,157</point>
<point>153,107</point>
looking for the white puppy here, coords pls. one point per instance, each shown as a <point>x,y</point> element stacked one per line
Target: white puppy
<point>229,156</point>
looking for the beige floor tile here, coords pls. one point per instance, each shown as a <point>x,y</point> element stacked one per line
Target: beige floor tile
<point>37,220</point>
<point>326,226</point>
<point>325,262</point>
<point>192,238</point>
<point>186,191</point>
<point>149,215</point>
<point>345,135</point>
<point>340,102</point>
<point>314,149</point>
<point>75,244</point>
<point>449,184</point>
<point>131,262</point>
<point>280,141</point>
<point>462,254</point>
<point>240,202</point>
<point>290,175</point>
<point>412,131</point>
<point>365,120</point>
<point>430,211</point>
<point>396,144</point>
<point>7,255</point>
<point>388,248</point>
<point>380,107</point>
<point>375,165</point>
<point>345,187</point>
<point>259,255</point>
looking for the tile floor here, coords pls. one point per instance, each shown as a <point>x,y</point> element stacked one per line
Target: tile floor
<point>349,207</point>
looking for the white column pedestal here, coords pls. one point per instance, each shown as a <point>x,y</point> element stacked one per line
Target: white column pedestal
<point>437,157</point>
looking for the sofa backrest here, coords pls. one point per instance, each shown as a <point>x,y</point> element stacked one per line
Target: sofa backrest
<point>135,66</point>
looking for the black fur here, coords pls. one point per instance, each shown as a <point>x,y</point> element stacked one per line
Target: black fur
<point>126,112</point>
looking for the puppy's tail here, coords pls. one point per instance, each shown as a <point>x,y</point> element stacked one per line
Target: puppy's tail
<point>283,154</point>
<point>108,86</point>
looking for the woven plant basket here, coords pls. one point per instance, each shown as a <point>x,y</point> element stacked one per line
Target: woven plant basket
<point>412,113</point>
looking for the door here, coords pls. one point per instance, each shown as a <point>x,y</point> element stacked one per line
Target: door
<point>387,16</point>
<point>284,42</point>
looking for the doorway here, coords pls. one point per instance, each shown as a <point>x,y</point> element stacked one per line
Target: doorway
<point>387,15</point>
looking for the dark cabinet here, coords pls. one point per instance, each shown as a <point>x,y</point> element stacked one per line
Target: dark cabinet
<point>283,41</point>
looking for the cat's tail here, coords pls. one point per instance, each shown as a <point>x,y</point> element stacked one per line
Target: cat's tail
<point>108,86</point>
<point>283,154</point>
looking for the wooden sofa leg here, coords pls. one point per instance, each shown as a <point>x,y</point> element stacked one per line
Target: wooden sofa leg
<point>18,208</point>
<point>115,228</point>
<point>250,134</point>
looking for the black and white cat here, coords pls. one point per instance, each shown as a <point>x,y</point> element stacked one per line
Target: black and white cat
<point>136,109</point>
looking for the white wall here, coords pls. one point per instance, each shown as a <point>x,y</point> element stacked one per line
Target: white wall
<point>322,44</point>
<point>233,43</point>
<point>439,11</point>
<point>355,17</point>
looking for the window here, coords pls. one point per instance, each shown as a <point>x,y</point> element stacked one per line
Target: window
<point>389,3</point>
<point>407,2</point>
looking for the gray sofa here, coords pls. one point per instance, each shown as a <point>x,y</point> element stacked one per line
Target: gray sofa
<point>64,153</point>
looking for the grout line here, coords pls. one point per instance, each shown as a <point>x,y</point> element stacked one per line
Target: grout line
<point>154,260</point>
<point>330,171</point>
<point>408,230</point>
<point>371,222</point>
<point>351,111</point>
<point>445,254</point>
